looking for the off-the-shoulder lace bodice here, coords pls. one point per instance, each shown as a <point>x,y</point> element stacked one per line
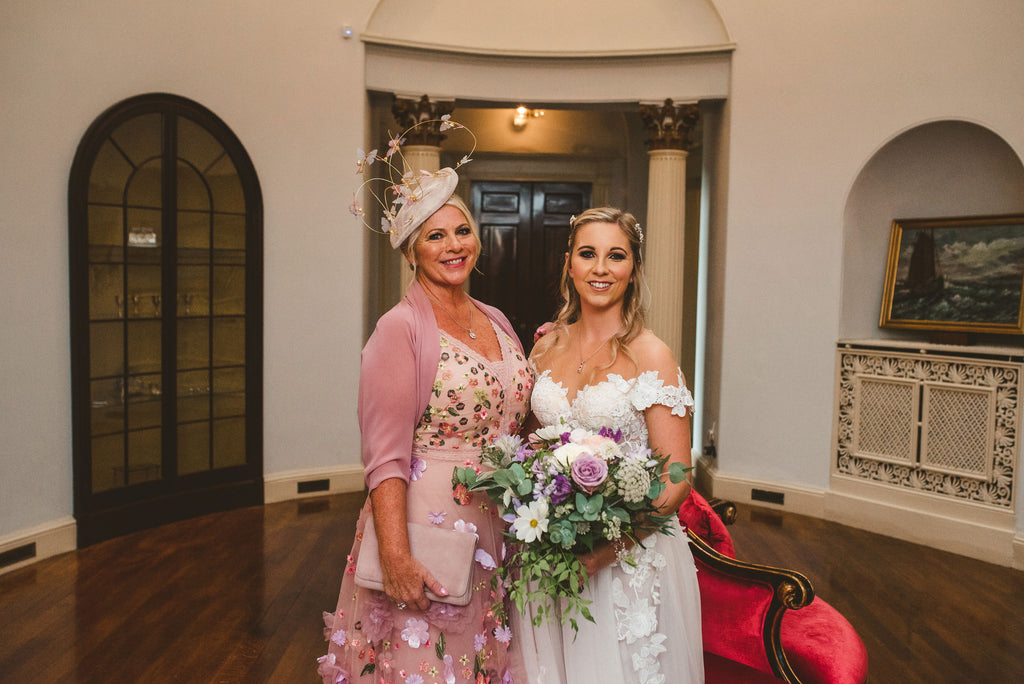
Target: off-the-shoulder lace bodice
<point>616,403</point>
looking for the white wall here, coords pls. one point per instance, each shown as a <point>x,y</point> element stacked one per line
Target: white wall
<point>817,88</point>
<point>290,87</point>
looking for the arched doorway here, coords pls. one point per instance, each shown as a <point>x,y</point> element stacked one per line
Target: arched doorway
<point>165,222</point>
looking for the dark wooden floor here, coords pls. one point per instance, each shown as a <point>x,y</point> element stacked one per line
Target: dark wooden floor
<point>237,596</point>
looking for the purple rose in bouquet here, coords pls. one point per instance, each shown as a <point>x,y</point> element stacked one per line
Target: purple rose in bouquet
<point>589,472</point>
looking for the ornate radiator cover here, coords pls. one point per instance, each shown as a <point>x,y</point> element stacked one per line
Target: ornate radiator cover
<point>944,423</point>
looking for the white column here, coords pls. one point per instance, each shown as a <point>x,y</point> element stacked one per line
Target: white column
<point>665,236</point>
<point>422,157</point>
<point>418,158</point>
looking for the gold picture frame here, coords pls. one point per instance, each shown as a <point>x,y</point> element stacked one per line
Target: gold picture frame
<point>956,274</point>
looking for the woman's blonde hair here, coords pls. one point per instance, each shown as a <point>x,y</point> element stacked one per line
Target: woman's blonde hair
<point>634,310</point>
<point>408,247</point>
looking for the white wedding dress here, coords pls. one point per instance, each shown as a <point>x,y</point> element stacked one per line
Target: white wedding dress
<point>647,627</point>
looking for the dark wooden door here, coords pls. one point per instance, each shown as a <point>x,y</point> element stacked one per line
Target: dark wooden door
<point>524,228</point>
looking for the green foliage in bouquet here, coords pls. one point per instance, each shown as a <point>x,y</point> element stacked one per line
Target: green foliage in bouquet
<point>562,492</point>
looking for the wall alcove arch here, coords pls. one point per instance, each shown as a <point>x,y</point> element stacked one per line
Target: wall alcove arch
<point>914,449</point>
<point>935,169</point>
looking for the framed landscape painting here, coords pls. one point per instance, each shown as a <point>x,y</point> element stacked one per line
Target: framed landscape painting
<point>961,274</point>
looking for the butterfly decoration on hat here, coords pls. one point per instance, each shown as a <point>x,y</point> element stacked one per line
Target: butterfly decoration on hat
<point>410,196</point>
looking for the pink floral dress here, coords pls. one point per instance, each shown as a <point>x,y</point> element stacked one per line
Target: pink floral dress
<point>473,402</point>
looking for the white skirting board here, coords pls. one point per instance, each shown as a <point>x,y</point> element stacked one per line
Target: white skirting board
<point>310,482</point>
<point>742,489</point>
<point>968,530</point>
<point>49,539</point>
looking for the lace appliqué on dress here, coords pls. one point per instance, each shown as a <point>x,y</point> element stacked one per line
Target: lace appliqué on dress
<point>616,403</point>
<point>648,389</point>
<point>636,611</point>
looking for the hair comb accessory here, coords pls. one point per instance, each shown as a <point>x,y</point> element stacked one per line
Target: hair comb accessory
<point>408,197</point>
<point>639,232</point>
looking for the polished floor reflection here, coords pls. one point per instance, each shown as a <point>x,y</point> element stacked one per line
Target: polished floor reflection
<point>237,597</point>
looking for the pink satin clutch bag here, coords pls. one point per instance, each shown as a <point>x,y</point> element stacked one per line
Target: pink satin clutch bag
<point>447,554</point>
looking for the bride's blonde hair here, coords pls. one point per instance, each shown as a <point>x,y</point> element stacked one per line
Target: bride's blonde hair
<point>633,305</point>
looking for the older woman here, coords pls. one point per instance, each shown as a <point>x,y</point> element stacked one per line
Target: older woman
<point>442,376</point>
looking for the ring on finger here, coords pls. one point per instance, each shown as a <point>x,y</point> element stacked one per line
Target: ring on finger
<point>401,605</point>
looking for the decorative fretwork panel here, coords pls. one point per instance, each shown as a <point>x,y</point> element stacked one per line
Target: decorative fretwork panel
<point>887,422</point>
<point>957,430</point>
<point>943,424</point>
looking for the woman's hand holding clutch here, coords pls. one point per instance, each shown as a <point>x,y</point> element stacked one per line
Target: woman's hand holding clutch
<point>403,576</point>
<point>404,580</point>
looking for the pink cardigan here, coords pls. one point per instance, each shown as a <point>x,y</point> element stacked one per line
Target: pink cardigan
<point>399,365</point>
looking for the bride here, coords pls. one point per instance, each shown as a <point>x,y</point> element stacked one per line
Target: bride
<point>597,367</point>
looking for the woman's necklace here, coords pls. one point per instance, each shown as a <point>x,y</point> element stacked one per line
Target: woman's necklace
<point>583,361</point>
<point>472,335</point>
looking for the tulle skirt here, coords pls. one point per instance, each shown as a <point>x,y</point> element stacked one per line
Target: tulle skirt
<point>646,629</point>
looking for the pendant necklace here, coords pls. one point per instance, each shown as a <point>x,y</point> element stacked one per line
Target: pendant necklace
<point>579,344</point>
<point>472,335</point>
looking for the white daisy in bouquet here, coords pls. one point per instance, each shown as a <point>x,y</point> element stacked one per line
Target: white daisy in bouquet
<point>562,492</point>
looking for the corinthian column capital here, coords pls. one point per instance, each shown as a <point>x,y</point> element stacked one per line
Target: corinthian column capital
<point>408,113</point>
<point>670,126</point>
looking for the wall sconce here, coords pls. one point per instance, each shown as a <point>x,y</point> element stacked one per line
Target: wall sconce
<point>523,115</point>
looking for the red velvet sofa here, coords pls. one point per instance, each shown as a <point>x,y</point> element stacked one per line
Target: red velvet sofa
<point>764,624</point>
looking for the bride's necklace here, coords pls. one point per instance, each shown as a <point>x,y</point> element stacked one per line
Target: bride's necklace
<point>472,335</point>
<point>583,361</point>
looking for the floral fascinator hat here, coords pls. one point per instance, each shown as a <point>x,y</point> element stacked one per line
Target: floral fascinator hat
<point>411,196</point>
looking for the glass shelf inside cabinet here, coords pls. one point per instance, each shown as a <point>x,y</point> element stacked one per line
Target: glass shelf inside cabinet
<point>196,255</point>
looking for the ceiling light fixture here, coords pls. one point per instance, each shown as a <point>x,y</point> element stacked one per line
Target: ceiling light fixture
<point>523,114</point>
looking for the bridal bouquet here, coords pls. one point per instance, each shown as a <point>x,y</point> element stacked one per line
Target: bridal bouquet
<point>563,491</point>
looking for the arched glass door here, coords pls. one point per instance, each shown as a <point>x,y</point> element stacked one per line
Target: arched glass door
<point>165,216</point>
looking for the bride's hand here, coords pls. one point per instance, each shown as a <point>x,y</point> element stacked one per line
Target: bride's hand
<point>602,556</point>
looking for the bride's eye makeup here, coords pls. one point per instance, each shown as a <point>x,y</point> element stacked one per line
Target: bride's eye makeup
<point>590,253</point>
